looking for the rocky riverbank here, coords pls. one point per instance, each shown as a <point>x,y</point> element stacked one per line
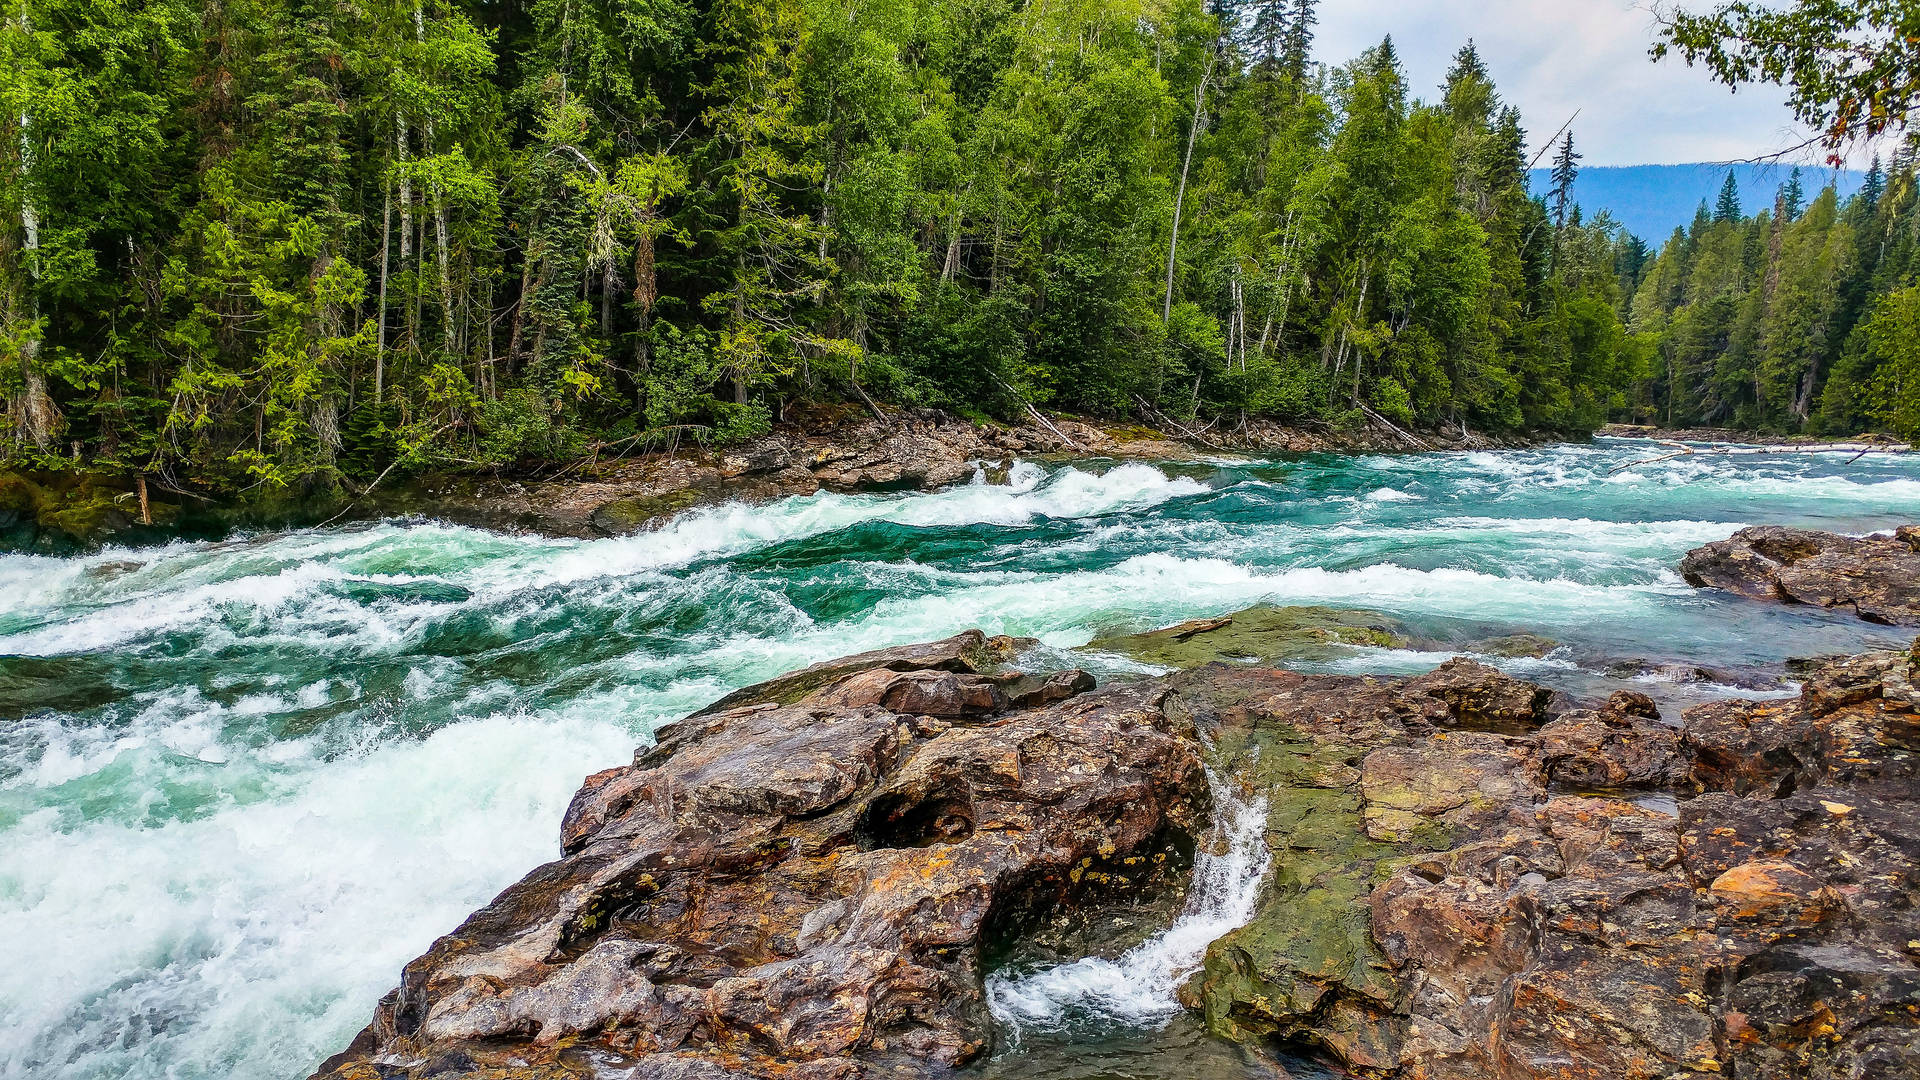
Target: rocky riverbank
<point>806,879</point>
<point>912,449</point>
<point>1731,435</point>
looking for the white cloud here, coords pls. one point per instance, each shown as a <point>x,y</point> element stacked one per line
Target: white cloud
<point>1551,58</point>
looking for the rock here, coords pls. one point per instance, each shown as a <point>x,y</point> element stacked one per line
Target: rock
<point>802,885</point>
<point>970,652</point>
<point>1878,577</point>
<point>1744,678</point>
<point>1481,698</point>
<point>1436,912</point>
<point>1514,646</point>
<point>1263,633</point>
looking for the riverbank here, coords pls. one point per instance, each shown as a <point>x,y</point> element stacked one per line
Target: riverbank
<point>1730,435</point>
<point>832,451</point>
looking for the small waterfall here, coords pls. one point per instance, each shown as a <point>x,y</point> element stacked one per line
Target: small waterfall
<point>1138,986</point>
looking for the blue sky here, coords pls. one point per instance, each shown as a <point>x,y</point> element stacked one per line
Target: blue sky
<point>1551,57</point>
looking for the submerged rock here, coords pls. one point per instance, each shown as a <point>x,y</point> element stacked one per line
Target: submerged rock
<point>1516,646</point>
<point>1876,576</point>
<point>1263,633</point>
<point>803,884</point>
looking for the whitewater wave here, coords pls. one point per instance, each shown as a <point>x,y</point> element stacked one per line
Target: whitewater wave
<point>1138,986</point>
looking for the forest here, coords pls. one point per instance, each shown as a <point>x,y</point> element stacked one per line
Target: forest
<point>259,243</point>
<point>1802,318</point>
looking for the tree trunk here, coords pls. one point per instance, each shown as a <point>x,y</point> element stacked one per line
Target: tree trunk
<point>449,342</point>
<point>1180,196</point>
<point>36,413</point>
<point>380,347</point>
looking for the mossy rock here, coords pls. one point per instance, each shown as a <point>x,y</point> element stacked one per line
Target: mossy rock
<point>1514,646</point>
<point>1265,633</point>
<point>57,511</point>
<point>624,516</point>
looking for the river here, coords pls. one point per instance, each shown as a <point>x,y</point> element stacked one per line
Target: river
<point>241,783</point>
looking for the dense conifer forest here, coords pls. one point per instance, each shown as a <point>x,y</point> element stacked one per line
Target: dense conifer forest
<point>266,242</point>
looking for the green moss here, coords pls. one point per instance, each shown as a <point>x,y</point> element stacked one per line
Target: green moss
<point>1265,633</point>
<point>1516,645</point>
<point>628,515</point>
<point>1309,942</point>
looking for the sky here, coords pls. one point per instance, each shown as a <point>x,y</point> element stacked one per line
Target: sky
<point>1550,57</point>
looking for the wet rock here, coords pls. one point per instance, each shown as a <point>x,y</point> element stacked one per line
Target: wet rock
<point>1515,646</point>
<point>1877,577</point>
<point>1614,749</point>
<point>1694,674</point>
<point>1264,633</point>
<point>801,885</point>
<point>970,652</point>
<point>1470,904</point>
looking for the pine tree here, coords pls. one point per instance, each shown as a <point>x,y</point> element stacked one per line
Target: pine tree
<point>1566,169</point>
<point>1793,196</point>
<point>1267,32</point>
<point>1727,209</point>
<point>1873,186</point>
<point>1296,45</point>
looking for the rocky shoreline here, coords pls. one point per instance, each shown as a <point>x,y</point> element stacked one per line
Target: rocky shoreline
<point>1730,435</point>
<point>1468,879</point>
<point>910,450</point>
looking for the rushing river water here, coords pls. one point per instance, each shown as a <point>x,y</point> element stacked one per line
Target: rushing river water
<point>242,783</point>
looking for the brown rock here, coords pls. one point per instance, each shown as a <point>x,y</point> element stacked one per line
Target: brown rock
<point>790,888</point>
<point>1878,577</point>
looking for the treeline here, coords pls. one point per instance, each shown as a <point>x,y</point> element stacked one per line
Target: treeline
<point>258,242</point>
<point>1804,317</point>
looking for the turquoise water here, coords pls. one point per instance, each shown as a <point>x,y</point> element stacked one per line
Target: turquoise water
<point>242,783</point>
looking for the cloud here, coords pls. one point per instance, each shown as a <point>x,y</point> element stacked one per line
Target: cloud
<point>1551,58</point>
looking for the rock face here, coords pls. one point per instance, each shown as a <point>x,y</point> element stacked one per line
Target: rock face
<point>1878,577</point>
<point>802,881</point>
<point>1516,902</point>
<point>801,884</point>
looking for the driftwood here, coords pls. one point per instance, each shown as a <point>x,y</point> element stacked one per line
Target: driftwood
<point>1187,432</point>
<point>1390,426</point>
<point>1035,413</point>
<point>1188,630</point>
<point>1680,450</point>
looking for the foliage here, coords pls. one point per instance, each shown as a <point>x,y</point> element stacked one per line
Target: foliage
<point>275,242</point>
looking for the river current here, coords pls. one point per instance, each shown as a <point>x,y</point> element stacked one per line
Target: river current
<point>241,783</point>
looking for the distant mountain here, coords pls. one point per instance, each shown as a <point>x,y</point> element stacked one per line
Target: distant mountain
<point>1653,200</point>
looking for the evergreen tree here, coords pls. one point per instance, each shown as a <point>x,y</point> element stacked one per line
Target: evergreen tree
<point>1792,196</point>
<point>1727,209</point>
<point>1566,169</point>
<point>1296,45</point>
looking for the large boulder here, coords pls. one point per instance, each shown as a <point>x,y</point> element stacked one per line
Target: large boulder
<point>1878,577</point>
<point>803,885</point>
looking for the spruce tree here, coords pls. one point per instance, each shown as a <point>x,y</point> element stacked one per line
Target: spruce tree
<point>1566,169</point>
<point>1793,195</point>
<point>1727,209</point>
<point>1296,45</point>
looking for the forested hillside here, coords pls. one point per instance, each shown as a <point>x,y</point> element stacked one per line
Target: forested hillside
<point>1804,317</point>
<point>259,241</point>
<point>1650,201</point>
